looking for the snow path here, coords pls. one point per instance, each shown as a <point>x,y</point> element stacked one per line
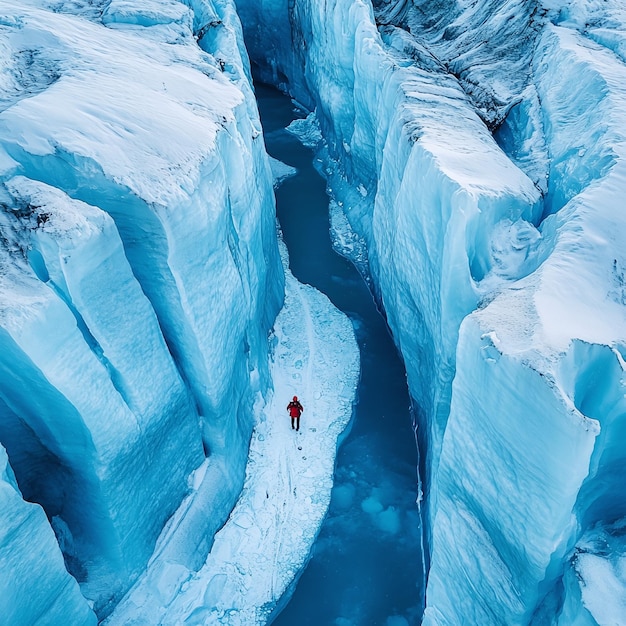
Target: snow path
<point>266,541</point>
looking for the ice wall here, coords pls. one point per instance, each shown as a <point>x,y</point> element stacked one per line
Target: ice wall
<point>88,431</point>
<point>274,46</point>
<point>140,273</point>
<point>498,264</point>
<point>34,587</point>
<point>564,326</point>
<point>434,185</point>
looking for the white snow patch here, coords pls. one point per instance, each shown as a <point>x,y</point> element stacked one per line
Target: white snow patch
<point>603,588</point>
<point>149,116</point>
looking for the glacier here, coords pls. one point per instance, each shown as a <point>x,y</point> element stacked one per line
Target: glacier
<point>150,328</point>
<point>476,150</point>
<point>149,325</point>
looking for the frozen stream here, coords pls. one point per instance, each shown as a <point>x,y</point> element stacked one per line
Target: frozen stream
<point>365,568</point>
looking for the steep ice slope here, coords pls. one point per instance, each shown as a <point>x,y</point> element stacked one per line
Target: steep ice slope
<point>140,273</point>
<point>573,332</point>
<point>550,445</point>
<point>86,428</point>
<point>524,448</point>
<point>24,596</point>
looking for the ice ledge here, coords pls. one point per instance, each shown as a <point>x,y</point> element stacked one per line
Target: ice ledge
<point>262,548</point>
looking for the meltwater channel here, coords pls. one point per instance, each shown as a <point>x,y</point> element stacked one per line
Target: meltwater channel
<point>365,568</point>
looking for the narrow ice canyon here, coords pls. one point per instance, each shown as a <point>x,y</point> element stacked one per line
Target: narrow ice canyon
<point>410,219</point>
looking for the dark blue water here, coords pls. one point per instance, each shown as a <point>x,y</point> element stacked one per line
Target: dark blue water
<point>366,564</point>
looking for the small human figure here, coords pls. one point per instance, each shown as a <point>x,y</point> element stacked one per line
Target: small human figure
<point>295,410</point>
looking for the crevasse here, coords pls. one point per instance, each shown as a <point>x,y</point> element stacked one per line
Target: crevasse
<point>497,264</point>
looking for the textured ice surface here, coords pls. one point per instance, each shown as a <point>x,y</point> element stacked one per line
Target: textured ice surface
<point>139,278</point>
<point>34,586</point>
<point>595,581</point>
<point>499,264</point>
<point>140,274</point>
<point>87,428</point>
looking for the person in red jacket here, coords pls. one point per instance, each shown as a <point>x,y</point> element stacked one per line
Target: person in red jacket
<point>295,410</point>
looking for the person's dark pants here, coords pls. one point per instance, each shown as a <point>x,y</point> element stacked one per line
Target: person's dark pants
<point>297,421</point>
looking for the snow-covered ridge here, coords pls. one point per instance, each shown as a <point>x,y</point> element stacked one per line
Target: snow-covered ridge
<point>499,266</point>
<point>486,45</point>
<point>140,277</point>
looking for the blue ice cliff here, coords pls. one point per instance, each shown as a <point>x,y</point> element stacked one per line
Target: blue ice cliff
<point>477,151</point>
<point>140,278</point>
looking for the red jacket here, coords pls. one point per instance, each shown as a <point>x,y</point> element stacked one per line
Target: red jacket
<point>295,408</point>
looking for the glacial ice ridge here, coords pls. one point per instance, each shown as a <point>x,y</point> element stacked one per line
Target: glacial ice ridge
<point>477,149</point>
